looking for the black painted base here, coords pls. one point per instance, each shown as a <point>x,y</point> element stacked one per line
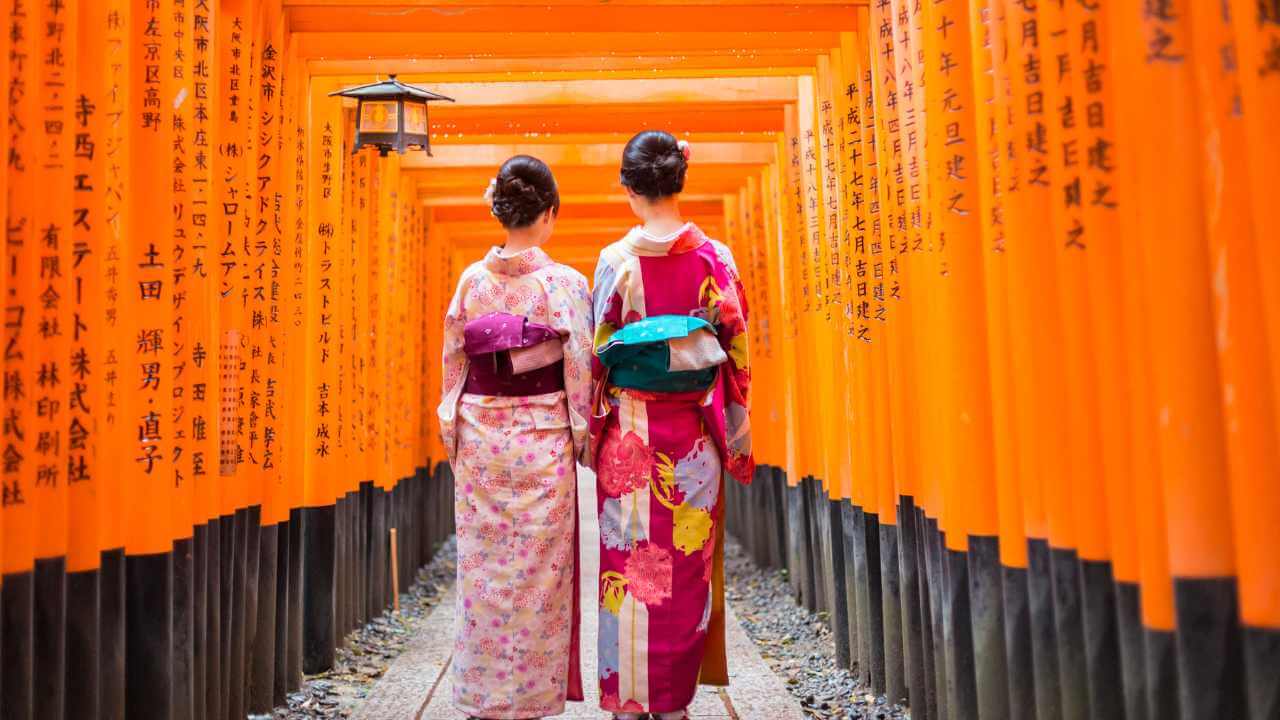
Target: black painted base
<point>111,646</point>
<point>280,670</point>
<point>797,544</point>
<point>850,526</point>
<point>839,617</point>
<point>1262,665</point>
<point>891,598</point>
<point>296,554</point>
<point>1210,651</point>
<point>1133,655</point>
<point>873,594</point>
<point>17,663</point>
<point>50,652</point>
<point>912,622</point>
<point>1017,643</point>
<point>262,654</point>
<point>1069,625</point>
<point>1101,641</point>
<point>149,636</point>
<point>318,568</point>
<point>184,691</point>
<point>213,620</point>
<point>986,601</point>
<point>1044,633</point>
<point>1162,674</point>
<point>200,616</point>
<point>962,691</point>
<point>84,665</point>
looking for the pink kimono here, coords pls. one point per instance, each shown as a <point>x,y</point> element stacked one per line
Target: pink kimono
<point>660,458</point>
<point>517,349</point>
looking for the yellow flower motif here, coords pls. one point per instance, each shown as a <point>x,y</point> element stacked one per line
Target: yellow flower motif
<point>613,586</point>
<point>664,486</point>
<point>710,292</point>
<point>740,351</point>
<point>604,332</point>
<point>692,529</point>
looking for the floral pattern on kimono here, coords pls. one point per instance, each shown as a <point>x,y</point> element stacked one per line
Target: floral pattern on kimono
<point>660,459</point>
<point>516,645</point>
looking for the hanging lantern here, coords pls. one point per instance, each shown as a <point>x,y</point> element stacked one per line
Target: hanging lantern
<point>391,115</point>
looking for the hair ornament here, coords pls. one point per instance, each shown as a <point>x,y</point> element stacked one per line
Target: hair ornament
<point>684,149</point>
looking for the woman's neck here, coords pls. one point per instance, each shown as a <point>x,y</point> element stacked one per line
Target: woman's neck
<point>662,217</point>
<point>520,240</point>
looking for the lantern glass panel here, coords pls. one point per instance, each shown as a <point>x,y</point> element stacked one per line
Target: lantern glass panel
<point>415,118</point>
<point>379,116</point>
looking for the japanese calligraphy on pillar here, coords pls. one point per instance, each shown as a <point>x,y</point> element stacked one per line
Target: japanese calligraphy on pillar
<point>266,263</point>
<point>201,276</point>
<point>324,209</point>
<point>229,211</point>
<point>180,117</point>
<point>20,268</point>
<point>50,309</point>
<point>874,225</point>
<point>830,177</point>
<point>89,238</point>
<point>149,262</point>
<point>1091,88</point>
<point>892,183</point>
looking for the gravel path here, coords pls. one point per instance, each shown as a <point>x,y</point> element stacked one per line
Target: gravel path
<point>370,650</point>
<point>797,644</point>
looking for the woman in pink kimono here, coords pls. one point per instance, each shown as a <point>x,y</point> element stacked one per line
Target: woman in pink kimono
<point>671,382</point>
<point>516,391</point>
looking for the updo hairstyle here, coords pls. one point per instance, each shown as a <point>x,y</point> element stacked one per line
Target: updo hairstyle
<point>523,191</point>
<point>654,165</point>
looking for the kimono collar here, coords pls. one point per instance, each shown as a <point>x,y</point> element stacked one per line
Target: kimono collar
<point>521,263</point>
<point>688,237</point>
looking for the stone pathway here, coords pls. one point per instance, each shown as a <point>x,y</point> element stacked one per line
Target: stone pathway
<point>418,684</point>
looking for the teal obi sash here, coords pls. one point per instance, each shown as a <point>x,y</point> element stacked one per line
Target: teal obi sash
<point>664,353</point>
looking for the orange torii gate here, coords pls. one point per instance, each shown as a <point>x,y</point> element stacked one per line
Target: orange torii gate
<point>1015,281</point>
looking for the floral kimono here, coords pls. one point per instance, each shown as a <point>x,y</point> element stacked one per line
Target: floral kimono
<point>660,458</point>
<point>516,393</point>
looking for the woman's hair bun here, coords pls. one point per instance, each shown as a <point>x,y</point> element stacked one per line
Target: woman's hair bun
<point>523,191</point>
<point>654,165</point>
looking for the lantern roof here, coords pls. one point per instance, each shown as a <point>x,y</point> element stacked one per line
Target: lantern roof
<point>389,88</point>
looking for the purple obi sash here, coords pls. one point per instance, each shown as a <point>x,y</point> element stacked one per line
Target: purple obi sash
<point>511,356</point>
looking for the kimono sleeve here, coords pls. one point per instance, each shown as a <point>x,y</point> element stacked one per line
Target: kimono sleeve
<point>732,330</point>
<point>606,307</point>
<point>570,303</point>
<point>454,374</point>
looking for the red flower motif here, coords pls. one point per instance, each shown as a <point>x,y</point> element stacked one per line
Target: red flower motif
<point>731,317</point>
<point>625,465</point>
<point>648,572</point>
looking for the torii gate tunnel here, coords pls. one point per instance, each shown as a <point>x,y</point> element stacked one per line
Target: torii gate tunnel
<point>1014,271</point>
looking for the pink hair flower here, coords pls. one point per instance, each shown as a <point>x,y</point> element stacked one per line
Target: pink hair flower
<point>684,149</point>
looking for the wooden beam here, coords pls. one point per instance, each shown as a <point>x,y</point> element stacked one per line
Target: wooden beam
<point>426,45</point>
<point>289,4</point>
<point>472,199</point>
<point>655,91</point>
<point>575,180</point>
<point>618,137</point>
<point>459,121</point>
<point>573,208</point>
<point>605,154</point>
<point>641,65</point>
<point>600,18</point>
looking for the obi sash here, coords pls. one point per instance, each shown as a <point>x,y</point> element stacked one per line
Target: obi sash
<point>663,353</point>
<point>511,357</point>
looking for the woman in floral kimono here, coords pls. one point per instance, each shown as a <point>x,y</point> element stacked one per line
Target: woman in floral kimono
<point>671,383</point>
<point>516,393</point>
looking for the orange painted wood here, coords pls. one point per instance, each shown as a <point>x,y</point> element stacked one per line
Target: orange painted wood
<point>147,293</point>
